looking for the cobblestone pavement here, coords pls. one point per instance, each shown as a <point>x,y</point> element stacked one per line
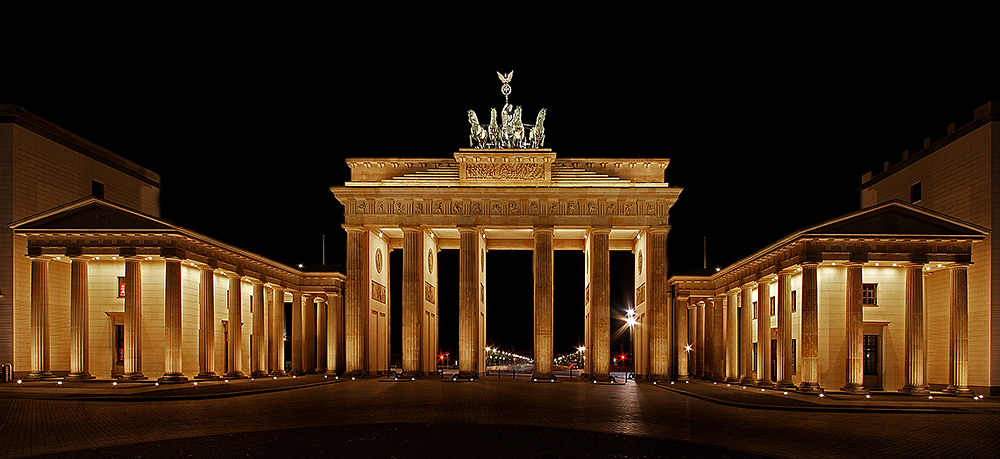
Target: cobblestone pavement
<point>385,419</point>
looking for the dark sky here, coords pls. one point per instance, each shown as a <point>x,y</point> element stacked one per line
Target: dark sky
<point>767,132</point>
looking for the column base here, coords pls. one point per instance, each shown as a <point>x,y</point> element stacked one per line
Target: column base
<point>958,390</point>
<point>277,373</point>
<point>235,375</point>
<point>331,373</point>
<point>732,380</point>
<point>309,372</point>
<point>543,377</point>
<point>79,376</point>
<point>683,378</point>
<point>355,374</point>
<point>41,376</point>
<point>209,376</point>
<point>258,374</point>
<point>809,388</point>
<point>854,388</point>
<point>765,383</point>
<point>784,385</point>
<point>172,378</point>
<point>915,390</point>
<point>657,378</point>
<point>468,375</point>
<point>132,377</point>
<point>746,382</point>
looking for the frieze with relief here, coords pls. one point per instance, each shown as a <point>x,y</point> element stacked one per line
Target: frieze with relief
<point>505,207</point>
<point>505,171</point>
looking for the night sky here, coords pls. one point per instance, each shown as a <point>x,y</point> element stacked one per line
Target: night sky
<point>249,129</point>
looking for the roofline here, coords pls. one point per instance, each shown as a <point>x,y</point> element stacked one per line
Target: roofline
<point>18,116</point>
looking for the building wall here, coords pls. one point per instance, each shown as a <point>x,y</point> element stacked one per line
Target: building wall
<point>429,329</point>
<point>377,316</point>
<point>641,329</point>
<point>961,180</point>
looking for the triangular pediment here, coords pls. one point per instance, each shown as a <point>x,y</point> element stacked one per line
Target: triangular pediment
<point>896,218</point>
<point>90,214</point>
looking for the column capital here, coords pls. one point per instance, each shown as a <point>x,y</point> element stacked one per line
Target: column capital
<point>411,229</point>
<point>542,229</point>
<point>599,230</point>
<point>959,265</point>
<point>658,230</point>
<point>787,271</point>
<point>468,229</point>
<point>811,264</point>
<point>748,286</point>
<point>353,228</point>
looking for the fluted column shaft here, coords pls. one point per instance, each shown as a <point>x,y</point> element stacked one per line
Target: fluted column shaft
<point>600,305</point>
<point>854,331</point>
<point>321,330</point>
<point>334,311</point>
<point>413,299</point>
<point>468,303</point>
<point>915,343</point>
<point>658,305</point>
<point>809,367</point>
<point>355,301</point>
<point>79,320</point>
<point>235,327</point>
<point>718,352</point>
<point>699,334</point>
<point>746,337</point>
<point>277,353</point>
<point>732,338</point>
<point>784,311</point>
<point>543,269</point>
<point>763,333</point>
<point>206,324</point>
<point>259,342</point>
<point>39,319</point>
<point>958,377</point>
<point>681,333</point>
<point>172,361</point>
<point>297,333</point>
<point>309,334</point>
<point>133,319</point>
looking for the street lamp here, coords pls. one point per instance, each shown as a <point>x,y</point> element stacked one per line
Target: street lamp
<point>630,320</point>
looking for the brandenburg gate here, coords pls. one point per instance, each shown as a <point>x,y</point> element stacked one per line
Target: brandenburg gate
<point>506,193</point>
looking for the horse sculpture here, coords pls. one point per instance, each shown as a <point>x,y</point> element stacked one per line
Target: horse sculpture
<point>478,136</point>
<point>536,138</point>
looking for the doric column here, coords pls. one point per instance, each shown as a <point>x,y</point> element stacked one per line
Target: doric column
<point>334,311</point>
<point>355,300</point>
<point>746,337</point>
<point>732,338</point>
<point>206,324</point>
<point>543,269</point>
<point>39,319</point>
<point>600,305</point>
<point>133,319</point>
<point>692,337</point>
<point>915,343</point>
<point>809,360</point>
<point>681,333</point>
<point>854,341</point>
<point>784,306</point>
<point>297,333</point>
<point>468,303</point>
<point>763,333</point>
<point>658,304</point>
<point>235,327</point>
<point>413,299</point>
<point>718,352</point>
<point>277,353</point>
<point>699,335</point>
<point>79,320</point>
<point>259,343</point>
<point>958,377</point>
<point>172,360</point>
<point>321,330</point>
<point>309,334</point>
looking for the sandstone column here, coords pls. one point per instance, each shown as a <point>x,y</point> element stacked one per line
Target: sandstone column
<point>413,299</point>
<point>718,352</point>
<point>309,334</point>
<point>278,332</point>
<point>746,338</point>
<point>133,319</point>
<point>855,331</point>
<point>600,305</point>
<point>355,301</point>
<point>809,368</point>
<point>681,333</point>
<point>784,306</point>
<point>321,330</point>
<point>297,333</point>
<point>732,338</point>
<point>916,343</point>
<point>259,342</point>
<point>698,327</point>
<point>658,305</point>
<point>958,377</point>
<point>79,321</point>
<point>334,311</point>
<point>543,270</point>
<point>39,319</point>
<point>206,324</point>
<point>763,333</point>
<point>235,327</point>
<point>468,303</point>
<point>172,360</point>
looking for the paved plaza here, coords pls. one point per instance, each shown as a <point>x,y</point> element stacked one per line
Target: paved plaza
<point>312,416</point>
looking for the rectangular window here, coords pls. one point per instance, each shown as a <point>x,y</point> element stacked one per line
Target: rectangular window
<point>121,286</point>
<point>754,309</point>
<point>772,305</point>
<point>915,192</point>
<point>793,356</point>
<point>868,295</point>
<point>795,307</point>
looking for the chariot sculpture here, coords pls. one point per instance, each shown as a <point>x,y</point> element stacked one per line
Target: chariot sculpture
<point>509,134</point>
